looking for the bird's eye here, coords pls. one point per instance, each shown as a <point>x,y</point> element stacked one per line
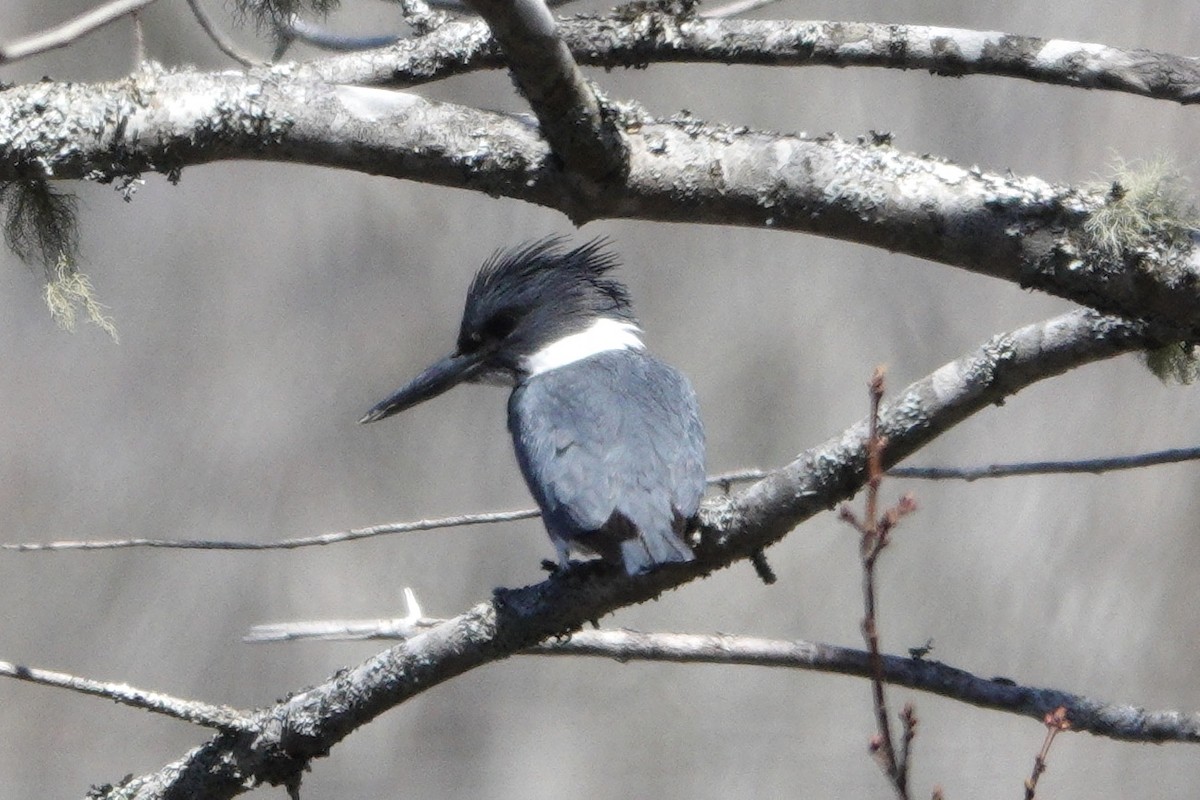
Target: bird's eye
<point>500,326</point>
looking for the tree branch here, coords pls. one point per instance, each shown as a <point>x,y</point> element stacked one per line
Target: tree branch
<point>222,718</point>
<point>571,117</point>
<point>724,480</point>
<point>943,51</point>
<point>1092,466</point>
<point>308,724</point>
<point>351,535</point>
<point>218,37</point>
<point>1023,230</point>
<point>1114,721</point>
<point>652,37</point>
<point>295,28</point>
<point>354,534</point>
<point>70,31</point>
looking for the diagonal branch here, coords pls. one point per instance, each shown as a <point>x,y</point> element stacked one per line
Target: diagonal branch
<point>71,30</point>
<point>579,131</point>
<point>222,718</point>
<point>218,37</point>
<point>308,724</point>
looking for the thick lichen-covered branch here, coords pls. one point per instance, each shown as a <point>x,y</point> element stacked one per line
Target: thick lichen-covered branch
<point>1020,229</point>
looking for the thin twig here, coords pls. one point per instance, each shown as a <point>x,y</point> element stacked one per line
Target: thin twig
<point>319,540</point>
<point>139,40</point>
<point>874,535</point>
<point>1088,466</point>
<point>874,539</point>
<point>721,479</point>
<point>570,115</point>
<point>69,31</point>
<point>282,544</point>
<point>908,722</point>
<point>1056,721</point>
<point>294,28</point>
<point>1094,466</point>
<point>218,37</point>
<point>221,718</point>
<point>412,623</point>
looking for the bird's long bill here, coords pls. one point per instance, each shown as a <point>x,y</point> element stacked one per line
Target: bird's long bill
<point>443,375</point>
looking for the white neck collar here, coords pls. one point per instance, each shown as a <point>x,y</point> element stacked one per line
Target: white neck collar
<point>601,336</point>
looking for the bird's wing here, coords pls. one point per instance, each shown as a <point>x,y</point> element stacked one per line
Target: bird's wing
<point>627,439</point>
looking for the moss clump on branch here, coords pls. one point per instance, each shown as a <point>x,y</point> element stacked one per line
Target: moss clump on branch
<point>1147,201</point>
<point>268,13</point>
<point>1176,362</point>
<point>1149,204</point>
<point>39,223</point>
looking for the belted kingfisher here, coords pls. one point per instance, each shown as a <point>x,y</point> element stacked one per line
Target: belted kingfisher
<point>607,436</point>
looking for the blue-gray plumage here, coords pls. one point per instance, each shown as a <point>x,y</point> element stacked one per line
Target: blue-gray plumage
<point>607,436</point>
<point>612,450</point>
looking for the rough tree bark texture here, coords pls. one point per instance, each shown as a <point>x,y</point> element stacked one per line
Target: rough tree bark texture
<point>260,305</point>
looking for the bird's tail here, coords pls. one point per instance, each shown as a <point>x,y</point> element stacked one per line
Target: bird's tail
<point>650,548</point>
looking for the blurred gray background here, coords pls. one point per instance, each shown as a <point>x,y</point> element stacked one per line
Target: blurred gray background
<point>263,308</point>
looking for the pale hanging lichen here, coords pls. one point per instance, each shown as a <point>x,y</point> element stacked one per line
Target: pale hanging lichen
<point>68,291</point>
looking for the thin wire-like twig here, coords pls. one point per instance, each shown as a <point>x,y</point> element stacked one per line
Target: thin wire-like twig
<point>1094,466</point>
<point>139,40</point>
<point>282,544</point>
<point>723,479</point>
<point>874,531</point>
<point>351,535</point>
<point>223,42</point>
<point>1083,466</point>
<point>70,31</point>
<point>221,718</point>
<point>1056,722</point>
<point>296,29</point>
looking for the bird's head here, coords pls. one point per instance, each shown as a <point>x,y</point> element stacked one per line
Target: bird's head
<point>529,309</point>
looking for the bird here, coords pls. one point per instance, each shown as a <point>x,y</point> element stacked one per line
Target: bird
<point>608,437</point>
